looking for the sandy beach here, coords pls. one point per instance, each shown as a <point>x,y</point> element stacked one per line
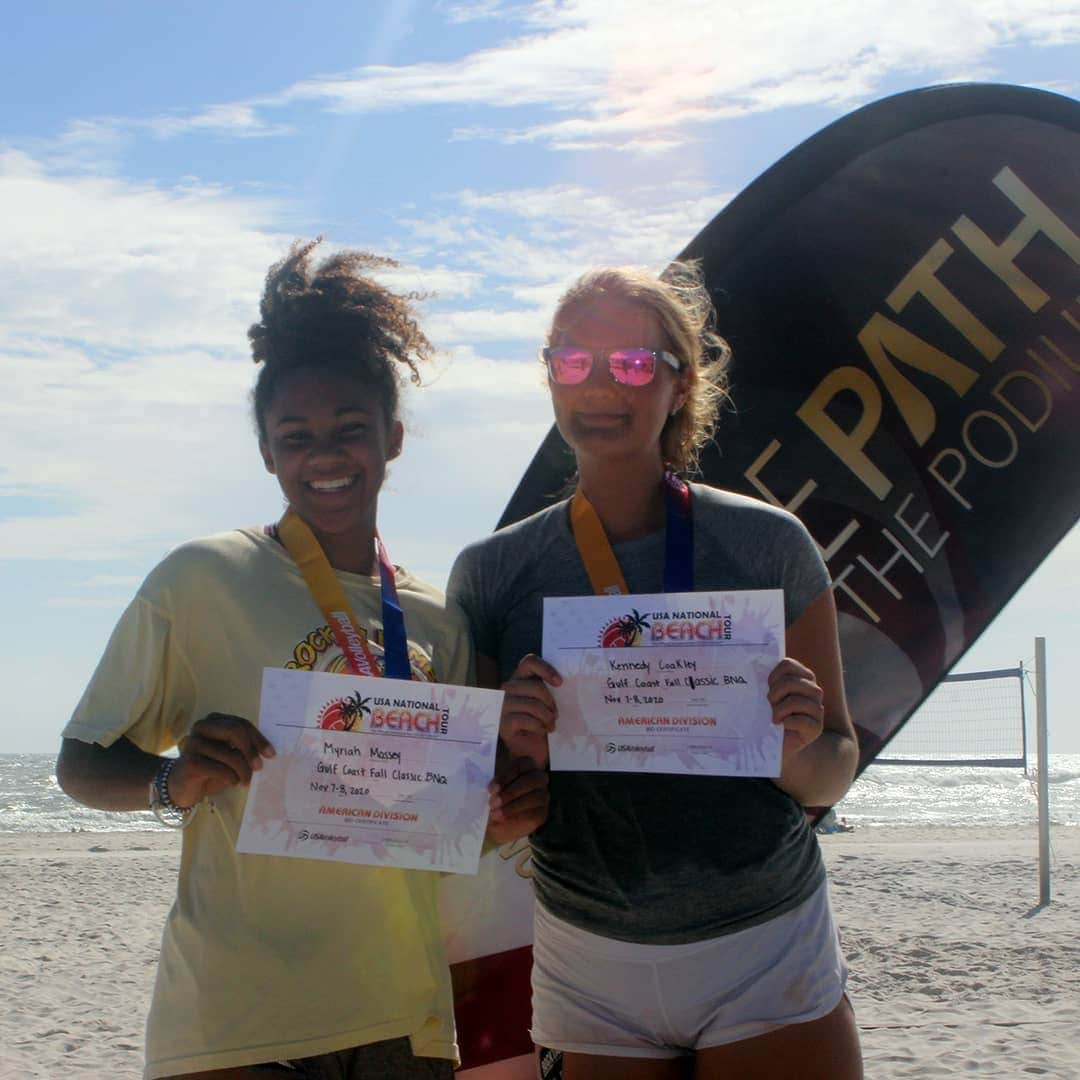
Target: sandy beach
<point>954,970</point>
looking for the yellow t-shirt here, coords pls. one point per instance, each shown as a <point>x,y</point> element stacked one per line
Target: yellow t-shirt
<point>265,957</point>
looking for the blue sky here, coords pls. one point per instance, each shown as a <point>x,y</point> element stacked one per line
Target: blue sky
<point>155,159</point>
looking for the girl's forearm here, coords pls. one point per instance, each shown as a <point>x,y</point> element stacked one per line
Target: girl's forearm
<point>115,777</point>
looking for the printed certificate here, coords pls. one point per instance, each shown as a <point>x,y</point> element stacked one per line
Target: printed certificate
<point>382,772</point>
<point>666,682</point>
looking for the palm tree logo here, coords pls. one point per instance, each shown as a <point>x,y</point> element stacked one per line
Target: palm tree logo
<point>353,711</point>
<point>345,714</point>
<point>623,631</point>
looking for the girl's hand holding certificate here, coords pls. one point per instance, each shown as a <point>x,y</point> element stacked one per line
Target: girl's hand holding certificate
<point>220,752</point>
<point>529,709</point>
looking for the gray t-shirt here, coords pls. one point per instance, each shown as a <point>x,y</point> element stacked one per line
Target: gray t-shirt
<point>658,859</point>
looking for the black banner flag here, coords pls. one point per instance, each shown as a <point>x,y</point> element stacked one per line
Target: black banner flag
<point>902,293</point>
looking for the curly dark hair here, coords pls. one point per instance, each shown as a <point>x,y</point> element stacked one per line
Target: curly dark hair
<point>333,316</point>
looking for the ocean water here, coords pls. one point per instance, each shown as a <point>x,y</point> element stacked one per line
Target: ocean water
<point>959,796</point>
<point>31,801</point>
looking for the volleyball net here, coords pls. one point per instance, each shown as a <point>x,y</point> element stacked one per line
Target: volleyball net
<point>971,719</point>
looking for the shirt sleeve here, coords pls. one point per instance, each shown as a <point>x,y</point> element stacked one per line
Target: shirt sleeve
<point>461,656</point>
<point>464,588</point>
<point>143,687</point>
<point>805,575</point>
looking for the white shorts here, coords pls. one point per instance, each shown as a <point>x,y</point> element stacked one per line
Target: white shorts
<point>595,995</point>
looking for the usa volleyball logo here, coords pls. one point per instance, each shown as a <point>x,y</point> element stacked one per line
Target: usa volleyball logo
<point>623,631</point>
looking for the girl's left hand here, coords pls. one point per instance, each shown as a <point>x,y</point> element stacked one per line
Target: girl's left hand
<point>798,703</point>
<point>517,798</point>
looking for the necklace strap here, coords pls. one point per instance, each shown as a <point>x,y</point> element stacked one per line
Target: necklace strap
<point>329,594</point>
<point>678,535</point>
<point>605,574</point>
<point>603,568</point>
<point>395,642</point>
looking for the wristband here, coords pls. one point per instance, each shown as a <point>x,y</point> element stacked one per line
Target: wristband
<point>164,809</point>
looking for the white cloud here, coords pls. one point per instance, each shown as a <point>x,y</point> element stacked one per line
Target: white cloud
<point>123,312</point>
<point>635,81</point>
<point>511,253</point>
<point>109,581</point>
<point>441,282</point>
<point>484,324</point>
<point>240,119</point>
<point>126,265</point>
<point>1066,87</point>
<point>473,10</point>
<point>97,144</point>
<point>114,602</point>
<point>562,203</point>
<point>136,454</point>
<point>532,242</point>
<point>236,120</point>
<point>593,77</point>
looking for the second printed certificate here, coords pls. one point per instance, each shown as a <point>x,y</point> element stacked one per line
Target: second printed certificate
<point>666,682</point>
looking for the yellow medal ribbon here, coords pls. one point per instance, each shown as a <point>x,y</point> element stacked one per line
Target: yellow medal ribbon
<point>327,592</point>
<point>603,568</point>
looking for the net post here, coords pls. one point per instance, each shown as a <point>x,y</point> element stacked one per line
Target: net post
<point>1023,716</point>
<point>1042,741</point>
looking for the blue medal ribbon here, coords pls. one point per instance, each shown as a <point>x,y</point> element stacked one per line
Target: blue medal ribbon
<point>395,643</point>
<point>678,536</point>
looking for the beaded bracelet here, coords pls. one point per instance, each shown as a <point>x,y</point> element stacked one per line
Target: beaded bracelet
<point>165,810</point>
